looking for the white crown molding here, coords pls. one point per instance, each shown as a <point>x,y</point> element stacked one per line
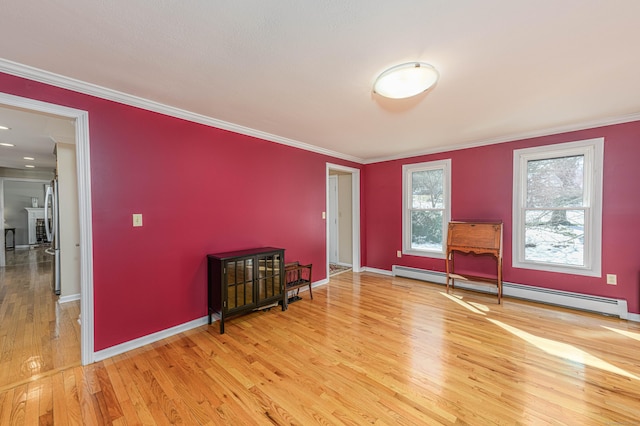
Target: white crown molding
<point>515,137</point>
<point>35,74</point>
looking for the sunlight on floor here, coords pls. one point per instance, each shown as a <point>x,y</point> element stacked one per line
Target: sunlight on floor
<point>483,308</point>
<point>559,349</point>
<point>564,350</point>
<point>32,365</point>
<point>626,333</point>
<point>476,308</point>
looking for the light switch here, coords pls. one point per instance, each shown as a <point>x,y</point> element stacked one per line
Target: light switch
<point>137,219</point>
<point>324,215</point>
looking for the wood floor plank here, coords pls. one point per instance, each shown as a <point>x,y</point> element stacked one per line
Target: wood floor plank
<point>85,388</point>
<point>18,405</point>
<point>32,403</point>
<point>45,406</point>
<point>124,366</point>
<point>112,407</point>
<point>71,398</point>
<point>37,335</point>
<point>59,406</point>
<point>6,406</point>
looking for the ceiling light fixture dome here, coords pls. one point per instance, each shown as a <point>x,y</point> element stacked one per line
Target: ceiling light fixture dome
<point>406,80</point>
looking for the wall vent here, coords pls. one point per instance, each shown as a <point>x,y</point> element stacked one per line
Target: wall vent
<point>585,302</point>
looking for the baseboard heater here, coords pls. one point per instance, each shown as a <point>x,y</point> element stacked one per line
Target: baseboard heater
<point>602,305</point>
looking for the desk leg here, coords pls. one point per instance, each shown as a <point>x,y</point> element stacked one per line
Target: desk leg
<point>499,279</point>
<point>449,268</point>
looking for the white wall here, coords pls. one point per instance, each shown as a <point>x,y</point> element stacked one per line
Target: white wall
<point>345,231</point>
<point>69,229</point>
<point>17,196</point>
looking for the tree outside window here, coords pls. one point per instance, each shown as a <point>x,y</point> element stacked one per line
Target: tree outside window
<point>557,210</point>
<point>426,201</point>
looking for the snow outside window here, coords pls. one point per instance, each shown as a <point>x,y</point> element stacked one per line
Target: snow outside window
<point>426,207</point>
<point>557,207</point>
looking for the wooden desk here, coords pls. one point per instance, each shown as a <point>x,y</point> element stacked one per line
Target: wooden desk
<point>477,238</point>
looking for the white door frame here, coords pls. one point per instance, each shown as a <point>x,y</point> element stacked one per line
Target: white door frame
<point>355,213</point>
<point>83,166</point>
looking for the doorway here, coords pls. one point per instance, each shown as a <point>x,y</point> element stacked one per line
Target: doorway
<point>343,218</point>
<point>81,119</point>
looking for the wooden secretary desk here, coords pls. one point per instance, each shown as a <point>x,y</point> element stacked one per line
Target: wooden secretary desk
<point>479,238</point>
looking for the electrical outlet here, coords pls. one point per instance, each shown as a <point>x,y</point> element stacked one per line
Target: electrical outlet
<point>399,253</point>
<point>612,279</point>
<point>137,219</point>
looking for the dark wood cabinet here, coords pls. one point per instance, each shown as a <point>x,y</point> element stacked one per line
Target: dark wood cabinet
<point>477,238</point>
<point>243,281</point>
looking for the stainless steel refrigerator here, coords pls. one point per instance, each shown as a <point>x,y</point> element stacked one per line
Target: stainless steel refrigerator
<point>52,227</point>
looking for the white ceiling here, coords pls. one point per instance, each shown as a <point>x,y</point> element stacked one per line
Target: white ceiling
<point>303,70</point>
<point>34,135</point>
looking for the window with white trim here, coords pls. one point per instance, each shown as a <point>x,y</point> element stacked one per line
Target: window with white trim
<point>557,207</point>
<point>426,189</point>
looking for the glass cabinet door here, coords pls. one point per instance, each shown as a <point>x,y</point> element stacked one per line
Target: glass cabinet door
<point>239,283</point>
<point>268,281</point>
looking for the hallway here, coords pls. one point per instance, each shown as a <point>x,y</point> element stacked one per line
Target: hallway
<point>38,336</point>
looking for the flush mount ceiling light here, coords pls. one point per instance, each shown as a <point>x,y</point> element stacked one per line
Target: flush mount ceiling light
<point>406,80</point>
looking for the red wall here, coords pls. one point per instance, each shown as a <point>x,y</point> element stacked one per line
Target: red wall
<point>482,190</point>
<point>200,190</point>
<point>204,190</point>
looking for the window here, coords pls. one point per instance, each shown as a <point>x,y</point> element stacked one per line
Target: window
<point>557,207</point>
<point>426,207</point>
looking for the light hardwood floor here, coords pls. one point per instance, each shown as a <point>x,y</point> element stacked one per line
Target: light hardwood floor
<point>368,349</point>
<point>37,335</point>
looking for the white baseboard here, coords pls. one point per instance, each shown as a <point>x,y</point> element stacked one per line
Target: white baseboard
<point>69,298</point>
<point>320,283</point>
<point>633,317</point>
<point>148,339</point>
<point>377,271</point>
<point>585,302</point>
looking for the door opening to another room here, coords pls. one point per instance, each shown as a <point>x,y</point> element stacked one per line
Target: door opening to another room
<point>343,219</point>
